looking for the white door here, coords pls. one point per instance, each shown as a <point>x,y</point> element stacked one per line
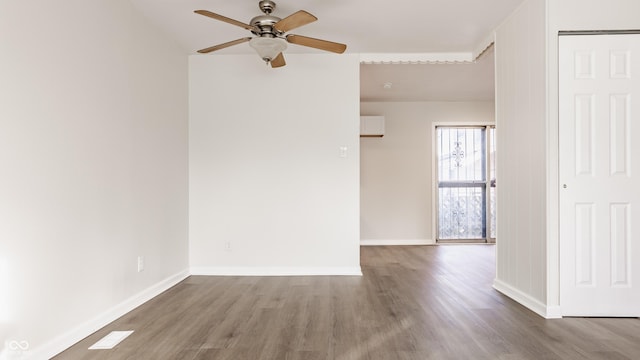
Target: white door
<point>600,175</point>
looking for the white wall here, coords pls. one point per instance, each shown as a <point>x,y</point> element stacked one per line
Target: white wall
<point>269,193</point>
<point>527,103</point>
<point>93,159</point>
<point>593,15</point>
<point>396,177</point>
<point>574,15</point>
<point>521,156</point>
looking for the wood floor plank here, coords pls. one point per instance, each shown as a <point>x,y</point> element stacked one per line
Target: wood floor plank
<point>413,303</point>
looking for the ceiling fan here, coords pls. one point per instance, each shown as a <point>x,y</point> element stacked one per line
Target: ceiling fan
<point>271,38</point>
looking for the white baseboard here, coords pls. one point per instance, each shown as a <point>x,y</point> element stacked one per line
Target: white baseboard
<point>66,340</point>
<point>389,242</point>
<point>554,312</point>
<point>526,300</point>
<point>276,271</point>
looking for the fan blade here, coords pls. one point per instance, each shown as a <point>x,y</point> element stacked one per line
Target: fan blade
<point>294,20</point>
<point>222,46</point>
<point>317,43</point>
<point>224,18</point>
<point>278,61</point>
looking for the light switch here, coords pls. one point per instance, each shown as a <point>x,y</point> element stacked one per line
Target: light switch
<point>343,151</point>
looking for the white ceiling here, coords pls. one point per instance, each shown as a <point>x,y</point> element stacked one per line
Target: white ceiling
<point>429,82</point>
<point>366,26</point>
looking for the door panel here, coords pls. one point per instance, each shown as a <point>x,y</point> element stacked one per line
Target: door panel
<point>600,196</point>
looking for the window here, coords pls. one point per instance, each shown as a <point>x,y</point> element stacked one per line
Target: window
<point>466,184</point>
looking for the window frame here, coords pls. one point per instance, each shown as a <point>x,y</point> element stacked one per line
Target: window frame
<point>487,184</point>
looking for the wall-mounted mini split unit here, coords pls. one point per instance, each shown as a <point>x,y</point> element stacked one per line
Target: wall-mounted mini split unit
<point>372,126</point>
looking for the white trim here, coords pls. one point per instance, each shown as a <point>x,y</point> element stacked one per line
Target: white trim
<point>552,167</point>
<point>527,300</point>
<point>392,242</point>
<point>554,312</point>
<point>434,180</point>
<point>66,340</point>
<point>276,271</point>
<point>416,58</point>
<point>484,46</point>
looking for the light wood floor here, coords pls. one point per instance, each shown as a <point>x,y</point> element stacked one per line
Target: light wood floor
<point>423,302</point>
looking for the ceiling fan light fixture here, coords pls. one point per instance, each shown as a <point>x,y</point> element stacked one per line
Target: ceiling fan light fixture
<point>268,47</point>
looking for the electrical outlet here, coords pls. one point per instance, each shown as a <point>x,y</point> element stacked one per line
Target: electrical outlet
<point>140,263</point>
<point>227,245</point>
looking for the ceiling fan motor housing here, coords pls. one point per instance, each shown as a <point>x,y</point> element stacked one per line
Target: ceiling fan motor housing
<point>263,26</point>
